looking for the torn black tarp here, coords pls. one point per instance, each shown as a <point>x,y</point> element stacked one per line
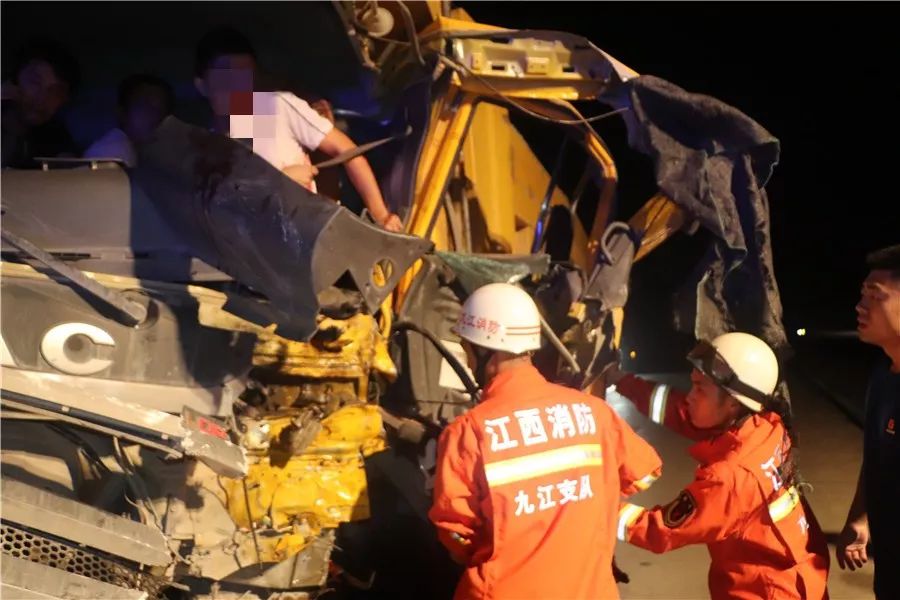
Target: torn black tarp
<point>714,162</point>
<point>238,213</point>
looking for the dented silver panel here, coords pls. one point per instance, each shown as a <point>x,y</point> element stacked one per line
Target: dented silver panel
<point>68,519</point>
<point>59,390</point>
<point>26,580</point>
<point>48,394</point>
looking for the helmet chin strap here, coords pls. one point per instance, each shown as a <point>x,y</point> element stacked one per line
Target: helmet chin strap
<point>482,358</point>
<point>743,413</point>
<point>739,419</point>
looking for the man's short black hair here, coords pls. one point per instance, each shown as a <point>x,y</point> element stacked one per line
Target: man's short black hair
<point>131,84</point>
<point>218,42</point>
<point>54,54</point>
<point>886,259</point>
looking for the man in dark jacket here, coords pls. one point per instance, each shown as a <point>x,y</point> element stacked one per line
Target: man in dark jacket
<point>873,516</point>
<point>44,77</point>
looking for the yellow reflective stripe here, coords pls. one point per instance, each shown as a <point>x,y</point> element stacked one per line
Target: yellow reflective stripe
<point>784,505</point>
<point>543,463</point>
<point>628,514</point>
<point>645,482</point>
<point>658,403</point>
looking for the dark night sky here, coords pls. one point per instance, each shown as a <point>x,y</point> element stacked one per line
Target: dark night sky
<point>821,77</point>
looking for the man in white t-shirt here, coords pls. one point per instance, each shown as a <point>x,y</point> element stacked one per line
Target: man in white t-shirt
<point>281,127</point>
<point>143,102</point>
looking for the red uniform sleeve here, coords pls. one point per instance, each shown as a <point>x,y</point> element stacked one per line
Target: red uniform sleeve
<point>639,464</point>
<point>706,511</point>
<point>662,404</point>
<point>458,490</point>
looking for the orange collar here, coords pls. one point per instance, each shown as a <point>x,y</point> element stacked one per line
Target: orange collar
<point>522,377</point>
<point>738,440</point>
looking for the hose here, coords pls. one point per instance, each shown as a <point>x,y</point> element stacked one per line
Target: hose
<point>471,386</point>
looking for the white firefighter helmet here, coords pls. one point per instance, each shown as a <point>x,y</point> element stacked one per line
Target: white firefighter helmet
<point>742,364</point>
<point>500,316</point>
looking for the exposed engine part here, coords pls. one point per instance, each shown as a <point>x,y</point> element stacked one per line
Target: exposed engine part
<point>300,432</point>
<point>408,430</point>
<point>254,434</point>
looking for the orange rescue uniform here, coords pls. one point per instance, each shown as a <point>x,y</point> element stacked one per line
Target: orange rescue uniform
<point>763,539</point>
<point>528,487</point>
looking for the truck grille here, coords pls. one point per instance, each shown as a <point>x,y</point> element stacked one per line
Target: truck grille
<point>35,547</point>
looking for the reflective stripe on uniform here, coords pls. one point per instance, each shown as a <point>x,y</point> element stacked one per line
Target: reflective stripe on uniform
<point>543,463</point>
<point>784,505</point>
<point>628,514</point>
<point>645,482</point>
<point>658,400</point>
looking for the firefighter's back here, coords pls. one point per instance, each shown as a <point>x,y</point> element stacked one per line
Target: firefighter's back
<point>552,460</point>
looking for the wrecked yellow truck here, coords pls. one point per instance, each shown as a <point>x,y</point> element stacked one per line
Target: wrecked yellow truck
<point>207,370</point>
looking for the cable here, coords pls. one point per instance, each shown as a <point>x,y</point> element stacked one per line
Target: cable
<point>411,31</point>
<point>454,363</point>
<point>136,482</point>
<point>259,563</point>
<point>408,22</point>
<point>82,445</point>
<point>559,346</point>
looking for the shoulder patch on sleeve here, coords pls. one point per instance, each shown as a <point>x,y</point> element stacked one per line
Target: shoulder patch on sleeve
<point>678,510</point>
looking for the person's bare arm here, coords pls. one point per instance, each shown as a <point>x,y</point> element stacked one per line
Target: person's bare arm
<point>851,546</point>
<point>323,107</point>
<point>302,174</point>
<point>363,179</point>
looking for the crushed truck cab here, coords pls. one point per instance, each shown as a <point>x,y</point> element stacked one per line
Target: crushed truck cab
<point>224,372</point>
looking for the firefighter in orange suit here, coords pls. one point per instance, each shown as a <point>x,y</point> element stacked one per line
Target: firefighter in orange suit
<point>529,481</point>
<point>763,538</point>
